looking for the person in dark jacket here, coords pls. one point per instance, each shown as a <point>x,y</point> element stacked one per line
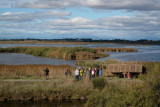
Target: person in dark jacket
<point>46,71</point>
<point>68,73</point>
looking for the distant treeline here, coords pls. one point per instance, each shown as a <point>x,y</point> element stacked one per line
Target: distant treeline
<point>121,41</point>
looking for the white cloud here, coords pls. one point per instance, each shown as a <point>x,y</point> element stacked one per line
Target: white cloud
<point>143,24</point>
<point>23,16</point>
<point>141,5</point>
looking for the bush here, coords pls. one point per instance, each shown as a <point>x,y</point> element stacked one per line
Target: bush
<point>99,83</point>
<point>111,96</point>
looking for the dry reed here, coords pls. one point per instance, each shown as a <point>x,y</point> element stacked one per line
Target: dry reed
<point>17,71</point>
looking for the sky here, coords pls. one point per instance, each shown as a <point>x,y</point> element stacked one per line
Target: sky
<point>96,19</point>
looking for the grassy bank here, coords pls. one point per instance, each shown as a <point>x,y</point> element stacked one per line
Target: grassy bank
<point>68,53</point>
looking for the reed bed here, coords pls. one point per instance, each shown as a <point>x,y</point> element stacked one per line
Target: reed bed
<point>19,71</point>
<point>103,49</point>
<point>67,53</point>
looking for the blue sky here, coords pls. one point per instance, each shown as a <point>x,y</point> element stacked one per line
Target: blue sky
<point>97,19</point>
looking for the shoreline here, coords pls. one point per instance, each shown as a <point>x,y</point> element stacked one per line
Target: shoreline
<point>66,43</point>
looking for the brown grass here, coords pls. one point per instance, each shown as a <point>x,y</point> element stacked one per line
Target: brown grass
<point>17,71</point>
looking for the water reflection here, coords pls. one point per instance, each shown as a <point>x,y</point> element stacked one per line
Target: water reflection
<point>21,59</point>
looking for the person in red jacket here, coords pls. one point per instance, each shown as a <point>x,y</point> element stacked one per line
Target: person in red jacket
<point>128,75</point>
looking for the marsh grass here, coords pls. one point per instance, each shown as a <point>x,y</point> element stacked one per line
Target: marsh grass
<point>68,53</point>
<point>33,71</point>
<point>44,90</point>
<point>52,52</point>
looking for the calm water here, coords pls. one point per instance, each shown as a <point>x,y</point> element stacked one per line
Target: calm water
<point>21,59</point>
<point>145,53</point>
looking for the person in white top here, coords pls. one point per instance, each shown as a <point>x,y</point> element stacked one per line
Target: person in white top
<point>76,74</point>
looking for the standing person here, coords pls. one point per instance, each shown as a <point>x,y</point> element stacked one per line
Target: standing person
<point>68,73</point>
<point>100,72</point>
<point>85,73</point>
<point>81,73</point>
<point>93,73</point>
<point>128,75</point>
<point>88,74</point>
<point>97,72</point>
<point>76,74</point>
<point>46,71</point>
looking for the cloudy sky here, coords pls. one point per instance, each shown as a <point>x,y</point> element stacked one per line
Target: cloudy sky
<point>97,19</point>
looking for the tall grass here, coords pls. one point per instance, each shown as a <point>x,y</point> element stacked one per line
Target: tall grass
<point>65,89</point>
<point>103,49</point>
<point>52,52</point>
<point>19,71</point>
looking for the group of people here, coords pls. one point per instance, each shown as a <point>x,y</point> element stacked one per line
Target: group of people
<point>80,73</point>
<point>68,73</point>
<point>87,73</point>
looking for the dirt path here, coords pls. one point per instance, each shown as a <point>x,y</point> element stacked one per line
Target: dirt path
<point>31,80</point>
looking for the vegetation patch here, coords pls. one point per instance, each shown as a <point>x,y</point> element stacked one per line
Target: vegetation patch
<point>99,83</point>
<point>76,53</point>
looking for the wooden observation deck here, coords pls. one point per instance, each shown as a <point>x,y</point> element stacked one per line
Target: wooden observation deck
<point>121,70</point>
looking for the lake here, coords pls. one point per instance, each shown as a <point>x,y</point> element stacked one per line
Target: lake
<point>145,53</point>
